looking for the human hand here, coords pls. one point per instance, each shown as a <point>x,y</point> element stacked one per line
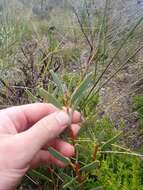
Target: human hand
<point>25,134</point>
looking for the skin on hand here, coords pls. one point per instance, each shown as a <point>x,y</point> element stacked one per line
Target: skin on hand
<point>25,134</point>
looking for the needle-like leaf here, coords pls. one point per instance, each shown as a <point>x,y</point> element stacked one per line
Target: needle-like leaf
<point>39,175</point>
<point>70,183</point>
<point>90,166</point>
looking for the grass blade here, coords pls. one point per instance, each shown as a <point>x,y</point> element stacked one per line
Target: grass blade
<point>58,156</point>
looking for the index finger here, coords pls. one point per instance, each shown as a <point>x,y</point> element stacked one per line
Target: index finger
<point>23,117</point>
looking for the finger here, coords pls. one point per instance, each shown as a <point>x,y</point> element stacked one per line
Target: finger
<point>75,130</point>
<point>43,132</point>
<point>25,116</point>
<point>24,146</point>
<point>63,147</point>
<point>45,158</point>
<point>50,127</point>
<point>54,143</point>
<point>75,115</point>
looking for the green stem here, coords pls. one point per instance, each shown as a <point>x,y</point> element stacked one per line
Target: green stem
<point>126,153</point>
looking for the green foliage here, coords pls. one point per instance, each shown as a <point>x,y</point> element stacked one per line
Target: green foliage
<point>77,95</point>
<point>109,173</point>
<point>47,97</point>
<point>57,72</point>
<point>120,173</point>
<point>59,83</point>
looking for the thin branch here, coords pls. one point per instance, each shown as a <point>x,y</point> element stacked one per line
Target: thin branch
<point>120,68</point>
<point>125,153</point>
<point>114,56</point>
<point>89,21</point>
<point>113,75</point>
<point>112,139</point>
<point>120,147</point>
<point>82,29</point>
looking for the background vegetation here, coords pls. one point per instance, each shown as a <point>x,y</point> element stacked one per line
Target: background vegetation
<point>86,55</point>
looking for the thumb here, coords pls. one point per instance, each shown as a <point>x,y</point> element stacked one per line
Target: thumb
<point>44,131</point>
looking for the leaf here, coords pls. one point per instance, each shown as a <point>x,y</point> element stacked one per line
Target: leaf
<point>80,99</point>
<point>60,157</point>
<point>111,140</point>
<point>90,166</point>
<point>58,82</point>
<point>72,82</point>
<point>68,184</point>
<point>81,89</point>
<point>39,175</point>
<point>31,96</point>
<point>49,97</point>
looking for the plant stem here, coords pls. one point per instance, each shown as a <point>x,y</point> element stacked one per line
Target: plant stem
<point>126,153</point>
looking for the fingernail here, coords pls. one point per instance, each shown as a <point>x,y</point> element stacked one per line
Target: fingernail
<point>62,118</point>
